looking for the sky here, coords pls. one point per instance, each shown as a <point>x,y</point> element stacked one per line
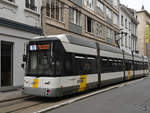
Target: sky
<point>137,4</point>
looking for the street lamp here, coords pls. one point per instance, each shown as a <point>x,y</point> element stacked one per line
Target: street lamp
<point>122,33</point>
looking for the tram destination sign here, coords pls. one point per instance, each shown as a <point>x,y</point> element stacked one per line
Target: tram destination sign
<point>39,47</point>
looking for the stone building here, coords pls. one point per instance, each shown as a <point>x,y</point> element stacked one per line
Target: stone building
<point>128,24</point>
<point>143,17</point>
<point>94,19</point>
<point>20,20</point>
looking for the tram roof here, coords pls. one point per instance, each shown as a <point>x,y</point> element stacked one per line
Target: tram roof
<point>68,38</point>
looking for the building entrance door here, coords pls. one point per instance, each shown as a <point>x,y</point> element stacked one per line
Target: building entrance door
<point>6,63</point>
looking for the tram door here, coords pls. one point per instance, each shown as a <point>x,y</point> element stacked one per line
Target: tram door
<point>6,63</point>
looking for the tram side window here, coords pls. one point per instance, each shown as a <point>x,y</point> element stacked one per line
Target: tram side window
<point>120,65</point>
<point>145,65</point>
<point>135,65</point>
<point>68,65</point>
<point>111,65</point>
<point>81,65</point>
<point>58,53</point>
<point>105,65</point>
<point>128,65</point>
<point>85,65</point>
<point>141,66</point>
<point>138,65</point>
<point>92,65</point>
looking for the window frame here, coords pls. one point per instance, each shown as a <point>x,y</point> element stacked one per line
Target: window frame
<point>74,16</point>
<point>91,30</point>
<point>115,17</point>
<point>30,4</point>
<point>52,9</point>
<point>108,13</point>
<point>89,4</point>
<point>126,23</point>
<point>122,21</point>
<point>13,1</point>
<point>99,29</point>
<point>100,11</point>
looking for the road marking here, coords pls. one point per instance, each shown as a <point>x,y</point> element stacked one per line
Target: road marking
<point>87,95</point>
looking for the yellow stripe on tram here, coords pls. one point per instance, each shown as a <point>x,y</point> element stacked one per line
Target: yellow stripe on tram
<point>82,83</point>
<point>129,74</point>
<point>35,83</point>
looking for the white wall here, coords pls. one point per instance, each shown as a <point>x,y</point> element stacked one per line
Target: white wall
<point>17,12</point>
<point>125,16</point>
<point>18,38</point>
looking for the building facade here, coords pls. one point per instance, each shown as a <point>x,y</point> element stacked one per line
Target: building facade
<point>93,19</point>
<point>128,25</point>
<point>20,20</point>
<point>144,19</point>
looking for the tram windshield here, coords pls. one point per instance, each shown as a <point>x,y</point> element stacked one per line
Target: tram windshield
<point>44,60</point>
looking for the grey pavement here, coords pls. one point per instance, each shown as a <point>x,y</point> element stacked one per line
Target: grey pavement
<point>10,95</point>
<point>132,98</point>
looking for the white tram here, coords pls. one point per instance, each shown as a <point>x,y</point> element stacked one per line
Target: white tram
<point>59,65</point>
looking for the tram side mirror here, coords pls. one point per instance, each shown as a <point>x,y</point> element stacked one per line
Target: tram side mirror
<point>24,58</point>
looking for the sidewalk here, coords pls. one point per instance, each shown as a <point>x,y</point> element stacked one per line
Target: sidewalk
<point>10,95</point>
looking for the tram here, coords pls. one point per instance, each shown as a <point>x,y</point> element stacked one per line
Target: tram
<point>64,64</point>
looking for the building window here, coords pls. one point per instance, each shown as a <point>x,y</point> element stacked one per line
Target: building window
<point>133,44</point>
<point>129,42</point>
<point>122,40</point>
<point>89,25</point>
<point>75,16</point>
<point>112,35</point>
<point>129,26</point>
<point>135,30</point>
<point>109,35</point>
<point>125,40</point>
<point>89,4</point>
<point>115,19</point>
<point>126,23</point>
<point>121,20</point>
<point>108,13</point>
<point>99,29</point>
<point>55,10</point>
<point>100,8</point>
<point>110,2</point>
<point>11,0</point>
<point>115,3</point>
<point>30,4</point>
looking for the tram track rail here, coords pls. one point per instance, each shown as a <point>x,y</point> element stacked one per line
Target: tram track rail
<point>14,101</point>
<point>11,99</point>
<point>11,106</point>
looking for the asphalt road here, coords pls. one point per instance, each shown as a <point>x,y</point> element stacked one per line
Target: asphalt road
<point>132,98</point>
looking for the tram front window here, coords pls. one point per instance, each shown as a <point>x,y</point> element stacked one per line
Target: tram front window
<point>45,60</point>
<point>40,64</point>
